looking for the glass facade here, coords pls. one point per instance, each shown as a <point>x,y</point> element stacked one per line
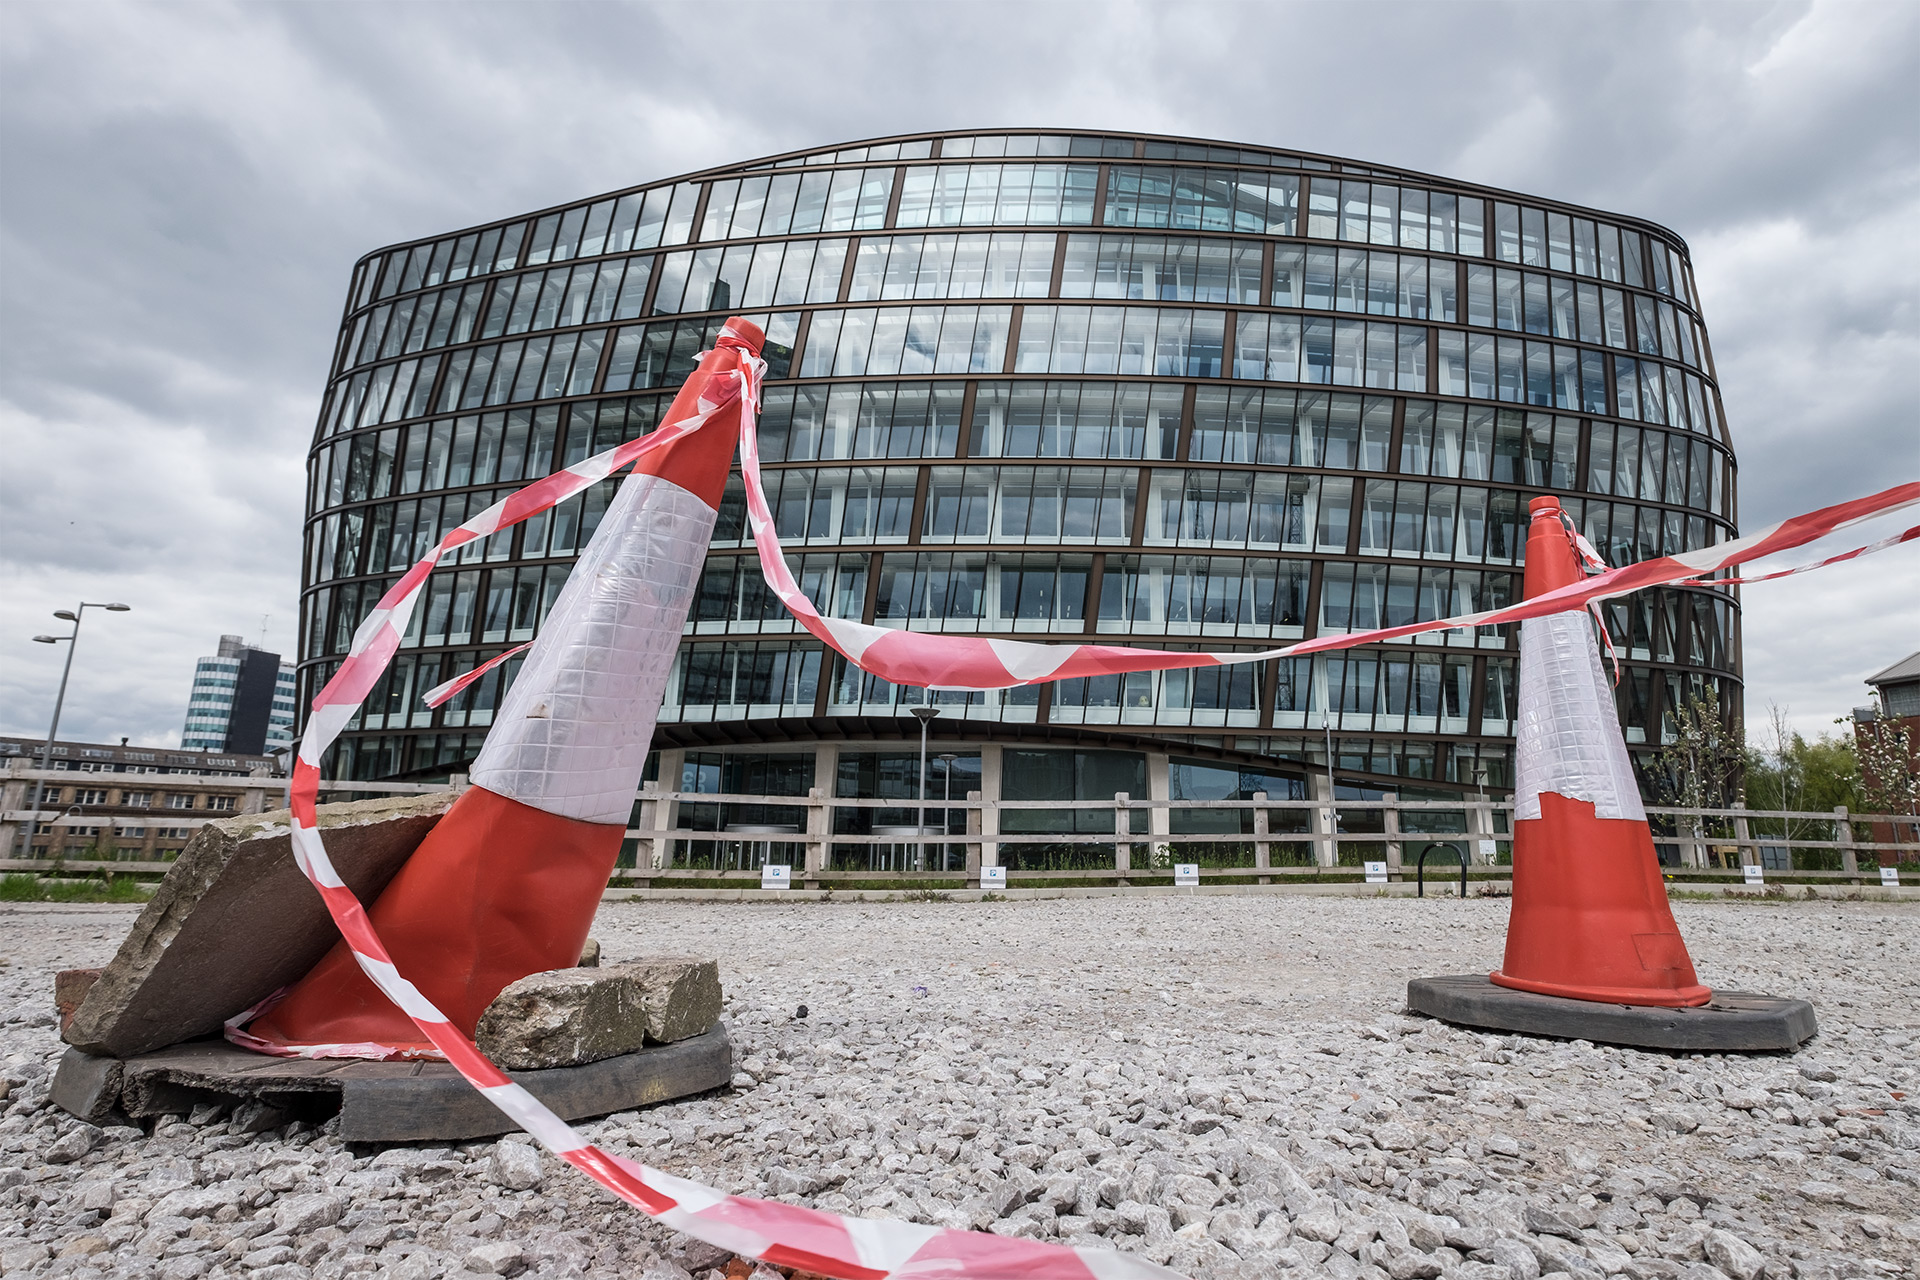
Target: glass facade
<point>1132,388</point>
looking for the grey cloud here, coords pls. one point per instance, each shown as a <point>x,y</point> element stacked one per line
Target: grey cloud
<point>189,185</point>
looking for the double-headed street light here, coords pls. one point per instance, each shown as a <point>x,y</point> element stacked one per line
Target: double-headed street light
<point>53,730</point>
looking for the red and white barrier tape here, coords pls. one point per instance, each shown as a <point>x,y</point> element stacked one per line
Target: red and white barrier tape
<point>850,1248</point>
<point>782,1234</point>
<point>446,689</point>
<point>929,660</point>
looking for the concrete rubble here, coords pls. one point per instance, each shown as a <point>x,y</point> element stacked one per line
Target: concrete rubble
<point>1225,1085</point>
<point>236,891</point>
<point>572,1016</point>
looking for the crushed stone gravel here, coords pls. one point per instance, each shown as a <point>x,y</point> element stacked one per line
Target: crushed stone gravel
<point>1227,1085</point>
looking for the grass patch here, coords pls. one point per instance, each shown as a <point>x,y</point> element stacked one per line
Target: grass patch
<point>30,888</point>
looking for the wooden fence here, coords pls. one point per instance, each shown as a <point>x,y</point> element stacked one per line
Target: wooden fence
<point>690,839</point>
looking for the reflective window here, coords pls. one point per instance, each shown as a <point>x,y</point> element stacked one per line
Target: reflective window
<point>960,195</point>
<point>1203,595</point>
<point>732,681</point>
<point>1030,504</point>
<point>1345,353</point>
<point>733,594</point>
<point>861,420</point>
<point>665,352</point>
<point>779,274</point>
<point>1004,265</point>
<point>1133,340</point>
<point>1075,420</point>
<point>1201,200</point>
<point>985,591</point>
<point>842,504</point>
<point>1245,509</point>
<point>1161,269</point>
<point>1345,209</point>
<point>587,294</point>
<point>891,341</point>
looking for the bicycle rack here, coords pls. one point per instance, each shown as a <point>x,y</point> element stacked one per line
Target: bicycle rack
<point>1421,872</point>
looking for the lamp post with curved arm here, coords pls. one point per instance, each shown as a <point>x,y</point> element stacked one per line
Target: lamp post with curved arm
<point>59,701</point>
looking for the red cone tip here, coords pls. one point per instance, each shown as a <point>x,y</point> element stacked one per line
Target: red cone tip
<point>747,331</point>
<point>699,462</point>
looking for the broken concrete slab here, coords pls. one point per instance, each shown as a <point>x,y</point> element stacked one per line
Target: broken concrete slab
<point>569,1017</point>
<point>388,1101</point>
<point>234,921</point>
<point>680,996</point>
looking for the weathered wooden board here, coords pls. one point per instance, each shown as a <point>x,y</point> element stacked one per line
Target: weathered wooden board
<point>438,1104</point>
<point>381,1101</point>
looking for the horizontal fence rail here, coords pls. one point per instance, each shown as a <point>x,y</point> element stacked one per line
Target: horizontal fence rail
<point>696,838</point>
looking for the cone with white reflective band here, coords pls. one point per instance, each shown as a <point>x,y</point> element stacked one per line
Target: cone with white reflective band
<point>507,883</point>
<point>1590,919</point>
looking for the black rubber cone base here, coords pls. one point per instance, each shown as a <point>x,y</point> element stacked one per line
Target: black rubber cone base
<point>1732,1022</point>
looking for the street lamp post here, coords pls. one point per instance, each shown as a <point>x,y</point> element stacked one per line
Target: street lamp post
<point>925,716</point>
<point>946,813</point>
<point>53,730</point>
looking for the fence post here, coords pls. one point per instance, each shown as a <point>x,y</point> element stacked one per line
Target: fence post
<point>1843,832</point>
<point>1390,825</point>
<point>1694,850</point>
<point>819,826</point>
<point>976,849</point>
<point>640,825</point>
<point>1262,851</point>
<point>1122,828</point>
<point>457,782</point>
<point>1742,834</point>
<point>1326,827</point>
<point>656,817</point>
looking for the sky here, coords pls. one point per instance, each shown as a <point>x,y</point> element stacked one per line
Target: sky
<point>187,186</point>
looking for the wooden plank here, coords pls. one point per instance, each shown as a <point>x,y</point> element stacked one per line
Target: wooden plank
<point>439,1105</point>
<point>385,1101</point>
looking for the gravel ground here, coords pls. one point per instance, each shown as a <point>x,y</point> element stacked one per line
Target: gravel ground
<point>1225,1084</point>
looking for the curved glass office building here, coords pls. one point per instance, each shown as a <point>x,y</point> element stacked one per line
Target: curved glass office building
<point>1046,384</point>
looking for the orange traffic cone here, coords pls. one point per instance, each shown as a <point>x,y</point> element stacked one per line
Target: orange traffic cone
<point>508,882</point>
<point>1590,919</point>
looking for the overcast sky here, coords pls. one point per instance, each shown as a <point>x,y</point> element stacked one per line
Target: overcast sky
<point>187,185</point>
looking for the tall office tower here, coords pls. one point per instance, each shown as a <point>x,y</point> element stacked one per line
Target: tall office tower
<point>242,700</point>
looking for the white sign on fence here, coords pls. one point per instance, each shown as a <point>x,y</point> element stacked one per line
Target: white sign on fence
<point>1376,873</point>
<point>775,876</point>
<point>1186,875</point>
<point>1755,875</point>
<point>1890,877</point>
<point>1488,851</point>
<point>993,877</point>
